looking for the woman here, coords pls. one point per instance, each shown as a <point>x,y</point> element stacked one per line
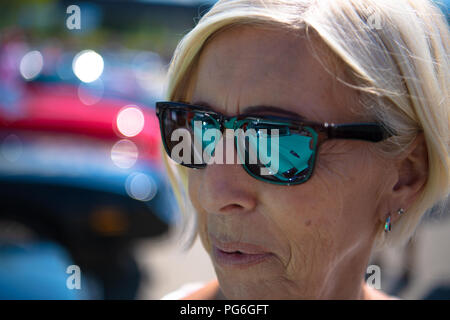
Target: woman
<point>357,91</point>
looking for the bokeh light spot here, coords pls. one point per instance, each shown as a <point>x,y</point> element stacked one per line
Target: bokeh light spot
<point>141,187</point>
<point>130,121</point>
<point>91,93</point>
<point>88,65</point>
<point>31,65</point>
<point>124,154</point>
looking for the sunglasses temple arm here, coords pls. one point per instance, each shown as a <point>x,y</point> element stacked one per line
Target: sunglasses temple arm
<point>367,132</point>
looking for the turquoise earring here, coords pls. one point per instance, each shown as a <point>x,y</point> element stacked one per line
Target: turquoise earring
<point>387,224</point>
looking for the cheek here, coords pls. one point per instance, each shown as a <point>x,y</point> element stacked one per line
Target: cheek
<point>351,179</point>
<point>194,185</point>
<point>195,192</point>
<point>304,221</point>
<point>317,220</point>
<point>349,174</point>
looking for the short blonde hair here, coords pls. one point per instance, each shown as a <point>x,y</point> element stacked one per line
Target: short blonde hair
<point>397,52</point>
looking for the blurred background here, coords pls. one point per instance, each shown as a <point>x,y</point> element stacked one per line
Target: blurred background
<point>81,180</point>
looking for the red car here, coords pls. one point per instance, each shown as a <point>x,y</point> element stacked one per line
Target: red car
<point>88,177</point>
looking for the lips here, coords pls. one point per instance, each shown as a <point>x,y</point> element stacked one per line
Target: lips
<point>238,253</point>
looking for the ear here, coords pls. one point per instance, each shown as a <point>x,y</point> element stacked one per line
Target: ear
<point>411,173</point>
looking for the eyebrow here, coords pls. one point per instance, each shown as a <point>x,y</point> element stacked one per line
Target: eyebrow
<point>254,110</point>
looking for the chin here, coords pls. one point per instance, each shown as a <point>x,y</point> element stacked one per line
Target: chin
<point>236,289</point>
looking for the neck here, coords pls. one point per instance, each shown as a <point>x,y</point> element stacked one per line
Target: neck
<point>345,281</point>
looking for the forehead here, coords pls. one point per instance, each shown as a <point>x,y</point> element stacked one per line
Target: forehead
<point>251,66</point>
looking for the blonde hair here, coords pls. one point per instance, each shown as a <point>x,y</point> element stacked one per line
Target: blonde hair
<point>397,52</point>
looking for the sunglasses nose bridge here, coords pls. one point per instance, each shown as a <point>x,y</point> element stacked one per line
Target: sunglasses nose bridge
<point>229,123</point>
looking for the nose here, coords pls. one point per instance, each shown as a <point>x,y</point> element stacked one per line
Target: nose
<point>227,188</point>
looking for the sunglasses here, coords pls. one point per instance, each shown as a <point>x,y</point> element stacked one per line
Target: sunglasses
<point>292,143</point>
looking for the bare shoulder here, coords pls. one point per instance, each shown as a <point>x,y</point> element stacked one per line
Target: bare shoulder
<point>374,294</point>
<point>210,291</point>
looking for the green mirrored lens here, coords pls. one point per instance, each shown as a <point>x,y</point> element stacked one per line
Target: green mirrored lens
<point>289,162</point>
<point>207,129</point>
